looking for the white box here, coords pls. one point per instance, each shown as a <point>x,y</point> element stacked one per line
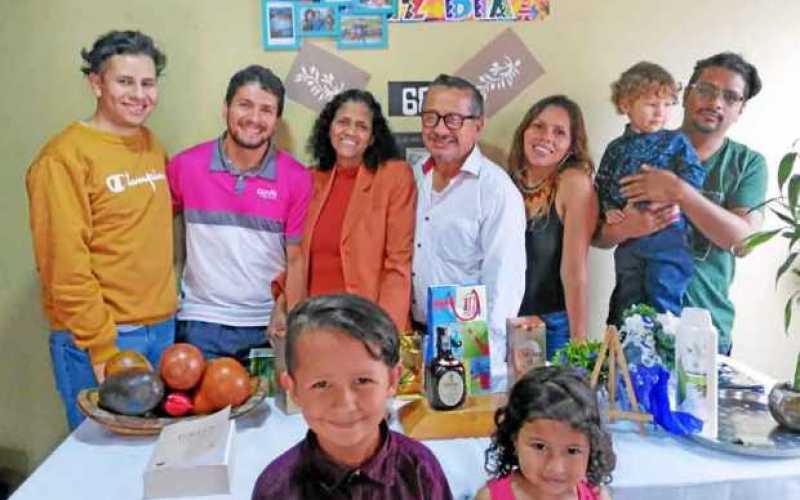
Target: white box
<point>192,458</point>
<point>696,368</point>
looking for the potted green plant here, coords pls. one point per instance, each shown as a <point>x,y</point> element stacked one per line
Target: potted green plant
<point>784,399</point>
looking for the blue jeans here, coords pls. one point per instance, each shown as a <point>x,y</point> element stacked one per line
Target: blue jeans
<point>72,368</point>
<point>653,270</point>
<point>217,340</point>
<point>556,331</point>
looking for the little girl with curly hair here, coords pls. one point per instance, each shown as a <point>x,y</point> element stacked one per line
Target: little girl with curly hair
<point>549,443</point>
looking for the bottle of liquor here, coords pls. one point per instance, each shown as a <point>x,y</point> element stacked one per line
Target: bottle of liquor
<point>448,381</point>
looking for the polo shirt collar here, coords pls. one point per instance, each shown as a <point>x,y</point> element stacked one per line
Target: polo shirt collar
<point>472,165</point>
<point>380,468</point>
<point>221,163</point>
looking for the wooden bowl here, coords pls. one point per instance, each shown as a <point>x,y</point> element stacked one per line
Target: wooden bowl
<point>143,426</point>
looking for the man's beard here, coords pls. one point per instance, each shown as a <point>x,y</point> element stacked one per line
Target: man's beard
<point>246,145</point>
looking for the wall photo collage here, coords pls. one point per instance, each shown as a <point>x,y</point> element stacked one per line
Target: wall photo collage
<point>364,24</point>
<point>355,24</point>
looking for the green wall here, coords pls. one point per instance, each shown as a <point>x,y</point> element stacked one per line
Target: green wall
<point>583,46</point>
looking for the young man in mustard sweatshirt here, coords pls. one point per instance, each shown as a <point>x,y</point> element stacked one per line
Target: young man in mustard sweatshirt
<point>101,219</point>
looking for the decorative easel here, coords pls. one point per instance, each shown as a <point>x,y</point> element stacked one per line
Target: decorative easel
<point>616,358</point>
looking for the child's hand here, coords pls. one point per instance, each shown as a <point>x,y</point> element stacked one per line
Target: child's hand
<point>614,216</point>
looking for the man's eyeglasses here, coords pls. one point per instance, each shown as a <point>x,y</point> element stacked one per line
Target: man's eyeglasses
<point>710,92</point>
<point>453,121</point>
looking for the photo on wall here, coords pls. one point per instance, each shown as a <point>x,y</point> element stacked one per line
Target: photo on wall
<point>374,6</point>
<point>279,26</point>
<point>317,19</point>
<point>363,30</point>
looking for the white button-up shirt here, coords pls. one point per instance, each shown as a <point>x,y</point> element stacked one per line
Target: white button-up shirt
<point>472,232</point>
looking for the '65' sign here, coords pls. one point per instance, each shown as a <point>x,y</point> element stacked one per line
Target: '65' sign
<point>405,98</point>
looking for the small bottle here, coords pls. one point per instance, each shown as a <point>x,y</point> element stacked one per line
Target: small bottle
<point>448,381</point>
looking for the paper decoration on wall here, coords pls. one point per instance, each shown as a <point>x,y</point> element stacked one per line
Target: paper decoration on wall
<point>317,76</point>
<point>501,70</point>
<point>464,10</point>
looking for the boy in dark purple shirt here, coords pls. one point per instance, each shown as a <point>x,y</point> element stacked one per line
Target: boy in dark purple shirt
<point>342,356</point>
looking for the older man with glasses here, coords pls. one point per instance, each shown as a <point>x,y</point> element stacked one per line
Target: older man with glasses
<point>470,218</point>
<point>735,183</point>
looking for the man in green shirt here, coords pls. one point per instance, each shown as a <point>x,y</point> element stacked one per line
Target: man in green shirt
<point>735,183</point>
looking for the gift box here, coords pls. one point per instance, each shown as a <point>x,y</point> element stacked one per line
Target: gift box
<point>262,364</point>
<point>411,375</point>
<point>526,342</point>
<point>192,458</point>
<point>462,311</point>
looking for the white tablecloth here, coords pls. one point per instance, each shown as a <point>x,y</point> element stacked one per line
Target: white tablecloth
<point>92,463</point>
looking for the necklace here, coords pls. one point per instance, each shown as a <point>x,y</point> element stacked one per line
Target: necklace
<point>537,195</point>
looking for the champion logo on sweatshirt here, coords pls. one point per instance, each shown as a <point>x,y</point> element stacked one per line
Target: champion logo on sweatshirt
<point>118,183</point>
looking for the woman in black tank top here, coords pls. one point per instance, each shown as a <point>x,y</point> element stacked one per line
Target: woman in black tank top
<point>551,166</point>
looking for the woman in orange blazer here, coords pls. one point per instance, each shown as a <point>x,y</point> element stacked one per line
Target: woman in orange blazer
<point>359,228</point>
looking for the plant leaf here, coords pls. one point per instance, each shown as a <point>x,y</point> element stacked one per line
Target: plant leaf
<point>793,240</point>
<point>758,238</point>
<point>786,264</point>
<point>784,217</point>
<point>794,190</point>
<point>785,168</point>
<point>787,316</point>
<point>787,312</point>
<point>797,374</point>
<point>767,202</point>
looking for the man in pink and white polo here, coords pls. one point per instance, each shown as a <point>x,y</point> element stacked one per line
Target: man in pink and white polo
<point>243,203</point>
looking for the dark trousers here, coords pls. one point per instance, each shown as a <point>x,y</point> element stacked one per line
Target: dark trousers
<point>653,270</point>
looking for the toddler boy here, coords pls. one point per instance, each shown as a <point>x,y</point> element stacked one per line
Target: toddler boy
<point>653,269</point>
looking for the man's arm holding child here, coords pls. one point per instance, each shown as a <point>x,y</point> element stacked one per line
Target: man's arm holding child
<point>724,227</point>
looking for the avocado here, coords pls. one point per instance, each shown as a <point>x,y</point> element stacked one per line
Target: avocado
<point>131,392</point>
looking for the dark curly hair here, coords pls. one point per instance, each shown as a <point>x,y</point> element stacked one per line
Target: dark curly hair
<point>556,393</point>
<point>732,62</point>
<point>383,145</point>
<point>116,43</point>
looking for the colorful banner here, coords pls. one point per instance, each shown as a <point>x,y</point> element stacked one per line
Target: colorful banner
<point>465,10</point>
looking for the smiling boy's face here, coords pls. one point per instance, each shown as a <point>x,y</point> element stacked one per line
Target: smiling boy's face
<point>342,391</point>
